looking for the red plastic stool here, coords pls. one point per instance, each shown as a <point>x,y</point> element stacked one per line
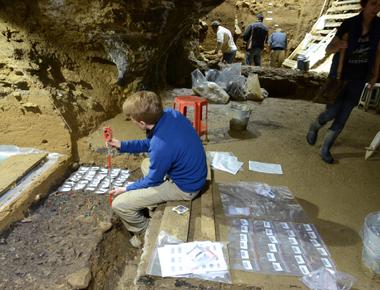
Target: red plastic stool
<point>181,103</point>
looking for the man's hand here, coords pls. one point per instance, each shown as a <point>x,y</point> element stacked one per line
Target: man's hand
<point>114,143</point>
<point>117,191</point>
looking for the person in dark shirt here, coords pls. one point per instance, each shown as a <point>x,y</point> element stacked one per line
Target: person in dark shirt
<point>255,36</point>
<point>176,168</point>
<point>359,38</point>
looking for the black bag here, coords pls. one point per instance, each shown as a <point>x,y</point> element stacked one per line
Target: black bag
<point>331,89</point>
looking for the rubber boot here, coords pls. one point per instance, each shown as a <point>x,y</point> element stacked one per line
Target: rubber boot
<point>312,134</point>
<point>327,144</point>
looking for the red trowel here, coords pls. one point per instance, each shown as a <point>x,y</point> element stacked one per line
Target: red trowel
<point>107,134</point>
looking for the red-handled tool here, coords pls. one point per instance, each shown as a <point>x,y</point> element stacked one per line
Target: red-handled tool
<point>107,134</point>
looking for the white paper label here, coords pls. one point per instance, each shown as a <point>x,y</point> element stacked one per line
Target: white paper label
<point>326,262</point>
<point>277,267</point>
<point>285,226</point>
<point>244,222</point>
<point>308,227</point>
<point>304,270</point>
<point>244,245</point>
<point>322,251</point>
<point>243,237</point>
<point>291,233</point>
<point>273,239</point>
<point>272,248</point>
<point>247,265</point>
<point>267,225</point>
<point>244,254</point>
<point>312,235</point>
<point>296,250</point>
<point>299,259</point>
<point>315,243</point>
<point>293,241</point>
<point>271,257</point>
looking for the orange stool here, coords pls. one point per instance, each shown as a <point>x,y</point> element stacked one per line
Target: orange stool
<point>198,103</point>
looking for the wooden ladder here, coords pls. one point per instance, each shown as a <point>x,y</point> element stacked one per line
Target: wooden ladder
<point>323,31</point>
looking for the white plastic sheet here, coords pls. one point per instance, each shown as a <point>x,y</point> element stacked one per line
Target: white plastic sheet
<point>269,168</point>
<point>224,161</point>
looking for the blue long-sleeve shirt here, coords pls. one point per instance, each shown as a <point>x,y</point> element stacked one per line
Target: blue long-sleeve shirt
<point>278,40</point>
<point>175,150</point>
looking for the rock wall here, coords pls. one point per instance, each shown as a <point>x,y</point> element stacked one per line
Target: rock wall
<point>74,62</point>
<point>293,16</point>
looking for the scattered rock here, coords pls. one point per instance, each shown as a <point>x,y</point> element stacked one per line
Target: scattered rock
<point>79,279</point>
<point>105,226</point>
<point>30,105</point>
<point>17,96</point>
<point>44,141</point>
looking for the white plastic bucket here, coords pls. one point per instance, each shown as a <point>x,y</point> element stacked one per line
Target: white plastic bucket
<point>371,242</point>
<point>240,117</point>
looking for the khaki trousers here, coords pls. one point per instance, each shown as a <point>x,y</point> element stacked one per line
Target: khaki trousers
<point>128,205</point>
<point>277,57</point>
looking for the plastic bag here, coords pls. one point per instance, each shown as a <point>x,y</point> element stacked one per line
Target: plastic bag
<point>328,279</point>
<point>212,92</point>
<point>228,74</point>
<point>254,92</point>
<point>164,239</point>
<point>197,78</point>
<point>236,88</point>
<point>212,75</point>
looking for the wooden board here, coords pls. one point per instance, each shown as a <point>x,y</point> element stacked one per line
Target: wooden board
<point>339,16</point>
<point>207,214</point>
<point>355,7</point>
<point>174,224</point>
<point>16,167</point>
<point>346,2</point>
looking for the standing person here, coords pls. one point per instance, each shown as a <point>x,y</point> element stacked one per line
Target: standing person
<point>255,36</point>
<point>224,42</point>
<point>176,168</point>
<point>361,64</point>
<point>278,44</point>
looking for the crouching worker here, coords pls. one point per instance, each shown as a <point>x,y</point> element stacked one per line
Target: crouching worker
<point>176,168</point>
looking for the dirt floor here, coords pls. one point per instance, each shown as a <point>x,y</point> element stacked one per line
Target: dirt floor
<point>68,233</point>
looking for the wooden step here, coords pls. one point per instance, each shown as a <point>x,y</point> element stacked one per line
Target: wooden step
<point>197,224</point>
<point>174,224</point>
<point>340,16</point>
<point>290,63</point>
<point>345,2</point>
<point>332,24</point>
<point>354,7</point>
<point>324,31</point>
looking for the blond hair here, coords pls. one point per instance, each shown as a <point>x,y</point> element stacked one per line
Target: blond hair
<point>144,106</point>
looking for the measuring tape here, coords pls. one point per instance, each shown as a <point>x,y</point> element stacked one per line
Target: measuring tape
<point>107,134</point>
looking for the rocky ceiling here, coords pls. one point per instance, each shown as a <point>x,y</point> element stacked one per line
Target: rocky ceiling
<point>136,35</point>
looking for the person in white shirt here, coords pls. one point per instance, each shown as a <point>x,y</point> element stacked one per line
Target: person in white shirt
<point>224,42</point>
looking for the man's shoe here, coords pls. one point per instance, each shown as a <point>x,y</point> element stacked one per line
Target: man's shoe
<point>327,144</point>
<point>327,157</point>
<point>312,134</point>
<point>312,137</point>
